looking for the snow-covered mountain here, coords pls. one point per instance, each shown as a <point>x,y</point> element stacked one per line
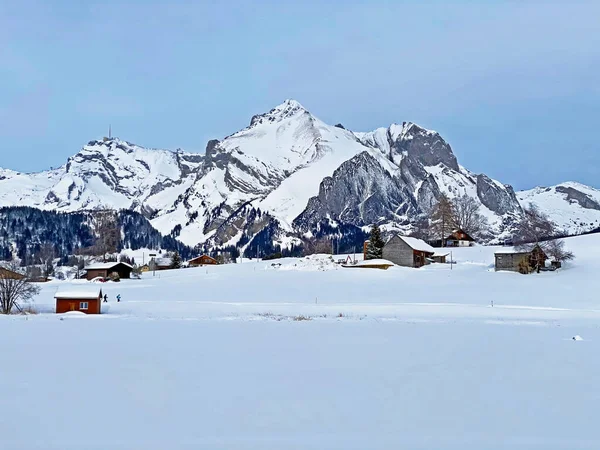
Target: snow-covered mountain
<point>109,173</point>
<point>286,175</point>
<point>574,207</point>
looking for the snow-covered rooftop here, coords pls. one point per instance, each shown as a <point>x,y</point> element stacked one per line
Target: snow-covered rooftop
<point>162,262</point>
<point>84,293</point>
<point>374,262</point>
<point>510,251</point>
<point>417,244</point>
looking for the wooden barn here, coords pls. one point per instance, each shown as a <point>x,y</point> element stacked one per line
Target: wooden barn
<point>84,299</point>
<point>10,274</point>
<point>518,260</point>
<point>202,260</point>
<point>459,238</point>
<point>410,252</point>
<point>106,269</point>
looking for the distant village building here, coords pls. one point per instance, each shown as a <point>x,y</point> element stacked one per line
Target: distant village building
<point>411,252</point>
<point>160,264</point>
<point>106,269</point>
<point>519,260</point>
<point>85,299</point>
<point>202,260</point>
<point>459,238</point>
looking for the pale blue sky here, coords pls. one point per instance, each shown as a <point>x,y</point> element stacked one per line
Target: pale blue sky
<point>513,86</point>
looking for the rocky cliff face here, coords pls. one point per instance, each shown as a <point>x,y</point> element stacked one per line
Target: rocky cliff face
<point>403,172</point>
<point>287,172</point>
<point>361,191</point>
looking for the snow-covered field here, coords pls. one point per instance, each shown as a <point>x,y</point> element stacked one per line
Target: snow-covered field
<point>221,358</point>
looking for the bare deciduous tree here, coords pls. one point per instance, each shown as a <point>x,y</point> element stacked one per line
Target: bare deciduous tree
<point>442,219</point>
<point>106,223</point>
<point>556,250</point>
<point>467,216</point>
<point>15,289</point>
<point>421,228</point>
<point>46,255</point>
<point>534,227</point>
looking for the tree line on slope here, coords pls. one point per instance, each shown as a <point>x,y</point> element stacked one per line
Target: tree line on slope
<point>35,236</point>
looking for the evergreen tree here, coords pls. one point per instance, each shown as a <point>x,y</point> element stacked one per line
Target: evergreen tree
<point>176,261</point>
<point>375,246</point>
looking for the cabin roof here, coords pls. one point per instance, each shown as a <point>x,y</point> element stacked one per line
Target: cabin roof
<point>77,293</point>
<point>202,256</point>
<point>467,237</point>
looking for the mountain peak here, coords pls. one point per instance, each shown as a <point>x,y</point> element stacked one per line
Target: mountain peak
<point>285,110</point>
<point>290,103</point>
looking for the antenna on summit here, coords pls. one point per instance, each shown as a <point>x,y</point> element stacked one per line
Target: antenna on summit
<point>109,134</point>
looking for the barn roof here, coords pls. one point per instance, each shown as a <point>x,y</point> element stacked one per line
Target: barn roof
<point>10,273</point>
<point>511,251</point>
<point>417,244</point>
<point>105,266</point>
<point>202,256</point>
<point>80,293</point>
<point>518,251</point>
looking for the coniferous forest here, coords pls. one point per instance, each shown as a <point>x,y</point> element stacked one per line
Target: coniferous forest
<point>24,231</point>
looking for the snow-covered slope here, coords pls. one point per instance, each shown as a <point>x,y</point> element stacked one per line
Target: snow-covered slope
<point>573,206</point>
<point>285,175</point>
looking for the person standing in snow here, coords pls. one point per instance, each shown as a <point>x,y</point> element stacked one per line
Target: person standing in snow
<point>105,298</point>
<point>118,297</point>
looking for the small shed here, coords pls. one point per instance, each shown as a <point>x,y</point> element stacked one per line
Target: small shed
<point>439,257</point>
<point>518,260</point>
<point>408,251</point>
<point>202,260</point>
<point>86,299</point>
<point>106,269</point>
<point>459,238</point>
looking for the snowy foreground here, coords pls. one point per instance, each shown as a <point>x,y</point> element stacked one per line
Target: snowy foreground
<point>218,358</point>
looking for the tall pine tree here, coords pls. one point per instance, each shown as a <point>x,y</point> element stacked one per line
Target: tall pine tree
<point>375,246</point>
